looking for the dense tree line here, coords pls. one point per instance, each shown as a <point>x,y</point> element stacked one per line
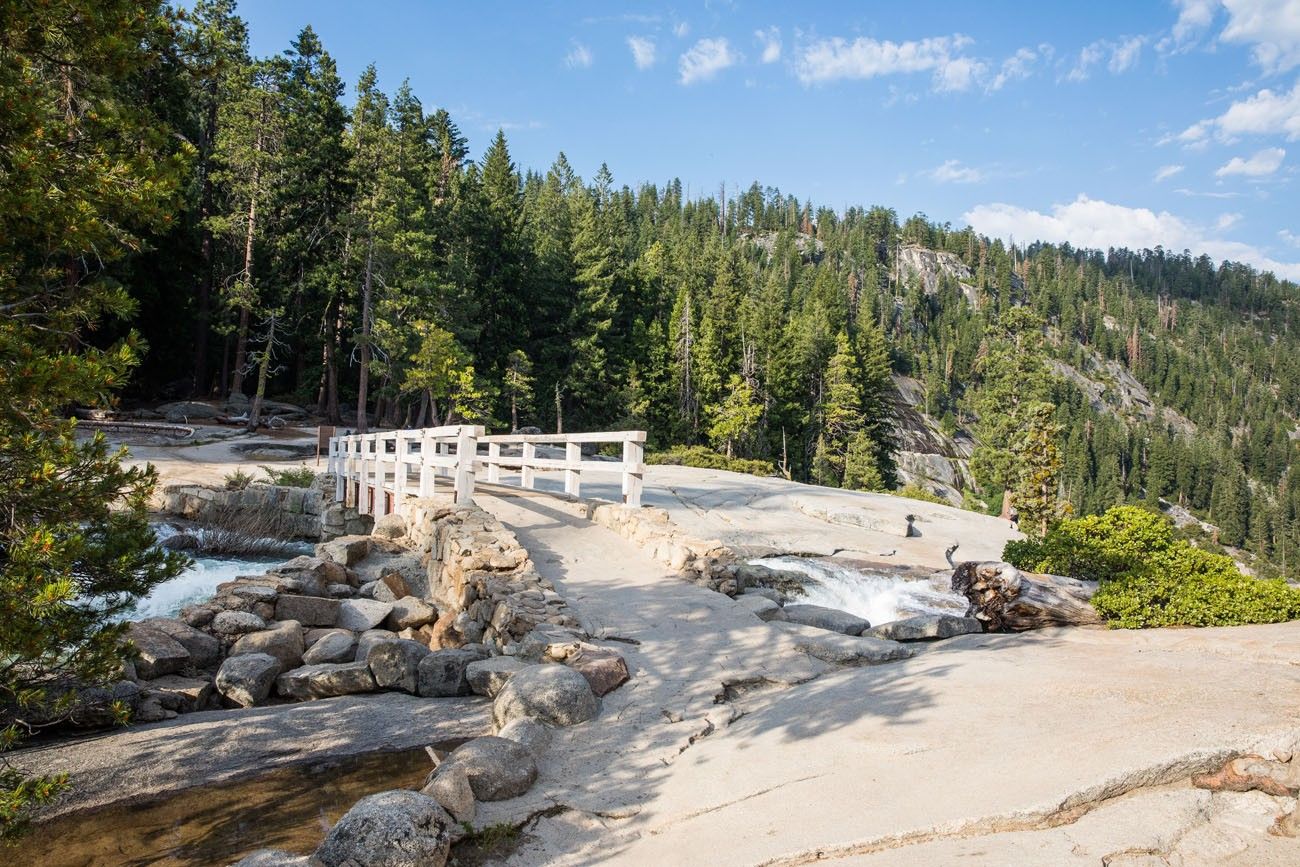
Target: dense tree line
<point>345,250</point>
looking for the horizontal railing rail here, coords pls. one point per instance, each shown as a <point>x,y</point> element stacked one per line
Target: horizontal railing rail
<point>373,470</point>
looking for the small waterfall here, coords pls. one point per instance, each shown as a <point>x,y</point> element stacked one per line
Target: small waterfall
<point>877,596</point>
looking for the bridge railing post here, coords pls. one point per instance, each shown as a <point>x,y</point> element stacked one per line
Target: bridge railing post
<point>466,453</point>
<point>573,470</point>
<point>633,468</point>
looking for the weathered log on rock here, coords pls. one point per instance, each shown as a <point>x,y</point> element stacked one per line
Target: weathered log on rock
<point>1005,599</point>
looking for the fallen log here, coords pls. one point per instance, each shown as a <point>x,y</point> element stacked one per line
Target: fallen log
<point>1005,599</point>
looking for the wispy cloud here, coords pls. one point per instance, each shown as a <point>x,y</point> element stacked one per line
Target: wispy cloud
<point>1258,165</point>
<point>579,56</point>
<point>1227,221</point>
<point>1120,56</point>
<point>681,29</point>
<point>1207,194</point>
<point>643,51</point>
<point>1289,237</point>
<point>770,39</point>
<point>705,59</point>
<point>1097,224</point>
<point>1019,66</point>
<point>1164,173</point>
<point>1194,16</point>
<point>864,58</point>
<point>953,172</point>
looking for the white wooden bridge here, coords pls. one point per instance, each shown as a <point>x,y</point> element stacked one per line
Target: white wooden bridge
<point>374,470</point>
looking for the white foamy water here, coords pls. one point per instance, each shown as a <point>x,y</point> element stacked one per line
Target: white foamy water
<point>879,597</point>
<point>198,582</point>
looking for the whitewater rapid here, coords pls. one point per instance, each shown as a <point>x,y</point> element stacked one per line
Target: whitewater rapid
<point>879,597</point>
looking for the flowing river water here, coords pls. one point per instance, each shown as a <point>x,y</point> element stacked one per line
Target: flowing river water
<point>877,596</point>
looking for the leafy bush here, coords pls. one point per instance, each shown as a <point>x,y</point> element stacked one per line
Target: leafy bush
<point>916,492</point>
<point>699,456</point>
<point>238,480</point>
<point>291,477</point>
<point>1150,577</point>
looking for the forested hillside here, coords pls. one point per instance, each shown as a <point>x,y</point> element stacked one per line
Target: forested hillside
<point>346,249</point>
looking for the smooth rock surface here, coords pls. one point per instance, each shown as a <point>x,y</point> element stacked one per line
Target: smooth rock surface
<point>450,787</point>
<point>528,733</point>
<point>926,627</point>
<point>841,649</point>
<point>552,694</point>
<point>830,619</point>
<point>761,606</point>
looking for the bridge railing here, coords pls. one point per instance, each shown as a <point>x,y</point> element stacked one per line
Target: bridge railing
<point>373,470</point>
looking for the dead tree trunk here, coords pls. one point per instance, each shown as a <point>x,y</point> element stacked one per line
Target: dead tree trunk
<point>1005,599</point>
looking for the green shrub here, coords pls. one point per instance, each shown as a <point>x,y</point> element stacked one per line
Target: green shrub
<point>1150,577</point>
<point>699,456</point>
<point>292,477</point>
<point>238,480</point>
<point>916,492</point>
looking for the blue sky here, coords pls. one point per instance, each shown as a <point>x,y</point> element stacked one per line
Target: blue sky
<point>1104,123</point>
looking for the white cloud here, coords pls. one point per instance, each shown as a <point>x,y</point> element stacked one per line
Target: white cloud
<point>1226,221</point>
<point>579,57</point>
<point>1093,223</point>
<point>1207,194</point>
<point>1270,27</point>
<point>1164,173</point>
<point>1257,165</point>
<point>1193,17</point>
<point>953,172</point>
<point>1289,237</point>
<point>680,29</point>
<point>1268,112</point>
<point>1018,66</point>
<point>643,51</point>
<point>770,39</point>
<point>706,59</point>
<point>1123,56</point>
<point>864,58</point>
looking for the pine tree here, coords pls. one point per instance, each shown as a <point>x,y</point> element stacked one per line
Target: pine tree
<point>733,420</point>
<point>518,384</point>
<point>76,549</point>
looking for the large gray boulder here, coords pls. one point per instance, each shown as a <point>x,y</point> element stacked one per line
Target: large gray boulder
<point>529,733</point>
<point>307,610</point>
<point>395,664</point>
<point>232,623</point>
<point>345,550</point>
<point>442,672</point>
<point>181,694</point>
<point>362,614</point>
<point>369,639</point>
<point>391,526</point>
<point>831,619</point>
<point>336,645</point>
<point>391,829</point>
<point>452,790</point>
<point>283,641</point>
<point>497,768</point>
<point>159,653</point>
<point>552,694</point>
<point>488,676</point>
<point>247,680</point>
<point>326,680</point>
<point>843,649</point>
<point>409,612</point>
<point>926,627</point>
<point>204,649</point>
